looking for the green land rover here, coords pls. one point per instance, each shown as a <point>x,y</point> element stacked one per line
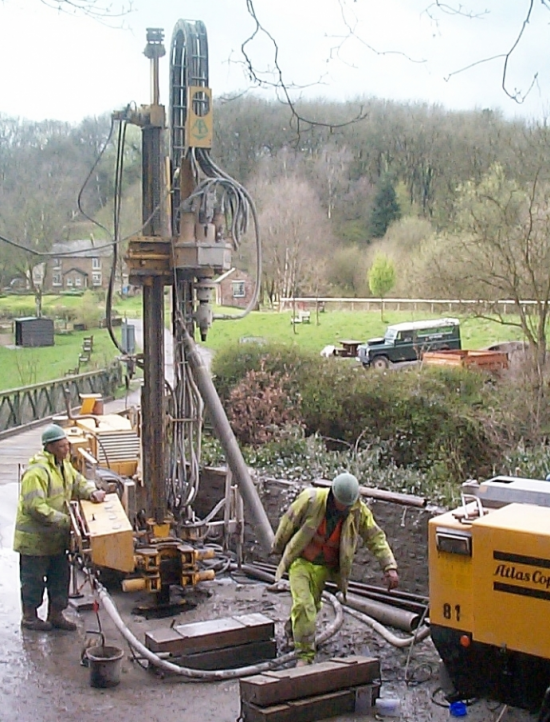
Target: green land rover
<point>408,341</point>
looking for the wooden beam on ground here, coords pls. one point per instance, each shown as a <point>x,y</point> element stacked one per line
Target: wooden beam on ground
<point>214,634</point>
<point>273,688</point>
<point>229,657</point>
<point>303,710</point>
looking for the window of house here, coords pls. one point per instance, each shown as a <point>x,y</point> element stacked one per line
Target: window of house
<point>238,289</point>
<point>69,281</point>
<point>56,279</point>
<point>96,263</point>
<point>96,279</point>
<point>57,262</point>
<point>78,281</point>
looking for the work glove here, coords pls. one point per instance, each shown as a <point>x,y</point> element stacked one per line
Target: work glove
<point>97,496</point>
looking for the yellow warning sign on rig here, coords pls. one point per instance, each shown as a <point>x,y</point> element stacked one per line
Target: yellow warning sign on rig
<point>200,121</point>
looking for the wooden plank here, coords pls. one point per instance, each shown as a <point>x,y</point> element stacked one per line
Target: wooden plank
<point>304,710</point>
<point>214,634</point>
<point>230,657</point>
<point>163,640</point>
<point>291,684</point>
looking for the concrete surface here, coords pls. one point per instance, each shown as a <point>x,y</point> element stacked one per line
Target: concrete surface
<point>42,680</point>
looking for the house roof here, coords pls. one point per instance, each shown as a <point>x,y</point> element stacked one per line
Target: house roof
<point>85,248</point>
<point>225,275</point>
<point>76,270</point>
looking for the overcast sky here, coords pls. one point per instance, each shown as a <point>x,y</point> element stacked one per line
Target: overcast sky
<point>66,67</point>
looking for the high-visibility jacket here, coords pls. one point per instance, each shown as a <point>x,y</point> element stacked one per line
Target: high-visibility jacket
<point>42,522</point>
<point>328,547</point>
<point>301,521</point>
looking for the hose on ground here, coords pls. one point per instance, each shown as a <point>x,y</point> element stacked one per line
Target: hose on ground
<point>214,675</point>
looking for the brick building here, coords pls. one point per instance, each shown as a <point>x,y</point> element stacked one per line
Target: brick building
<point>79,265</point>
<point>234,288</point>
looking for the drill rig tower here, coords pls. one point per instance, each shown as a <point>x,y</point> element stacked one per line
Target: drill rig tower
<point>193,215</point>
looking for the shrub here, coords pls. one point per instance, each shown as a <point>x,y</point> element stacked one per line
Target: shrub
<point>232,363</point>
<point>433,420</point>
<point>261,405</point>
<point>89,313</point>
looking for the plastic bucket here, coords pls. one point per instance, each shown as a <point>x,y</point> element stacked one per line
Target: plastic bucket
<point>387,706</point>
<point>105,665</point>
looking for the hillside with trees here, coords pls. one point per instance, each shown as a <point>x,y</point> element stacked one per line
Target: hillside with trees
<point>406,180</point>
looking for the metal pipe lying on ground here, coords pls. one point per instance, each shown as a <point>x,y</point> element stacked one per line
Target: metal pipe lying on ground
<point>396,598</point>
<point>394,640</point>
<point>382,495</point>
<point>384,613</point>
<point>227,439</point>
<point>393,598</point>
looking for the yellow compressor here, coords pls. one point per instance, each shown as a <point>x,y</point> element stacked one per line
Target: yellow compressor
<point>489,564</point>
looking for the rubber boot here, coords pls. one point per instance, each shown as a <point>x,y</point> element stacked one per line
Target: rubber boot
<point>31,620</point>
<point>59,621</point>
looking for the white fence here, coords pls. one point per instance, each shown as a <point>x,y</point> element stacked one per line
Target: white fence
<point>433,305</point>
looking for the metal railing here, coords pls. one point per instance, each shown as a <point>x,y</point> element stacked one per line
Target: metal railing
<point>27,404</point>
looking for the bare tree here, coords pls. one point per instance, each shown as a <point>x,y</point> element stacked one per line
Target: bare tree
<point>296,236</point>
<point>103,10</point>
<point>436,10</point>
<point>501,250</point>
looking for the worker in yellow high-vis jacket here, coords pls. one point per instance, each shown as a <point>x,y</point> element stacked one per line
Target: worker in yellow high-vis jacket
<point>42,529</point>
<point>317,537</point>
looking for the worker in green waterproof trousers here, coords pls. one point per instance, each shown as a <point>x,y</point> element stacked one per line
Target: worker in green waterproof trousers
<point>42,529</point>
<point>317,537</point>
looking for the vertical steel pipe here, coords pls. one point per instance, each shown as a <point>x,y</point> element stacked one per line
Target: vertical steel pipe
<point>227,439</point>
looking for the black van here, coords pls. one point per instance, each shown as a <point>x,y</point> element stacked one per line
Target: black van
<point>408,341</point>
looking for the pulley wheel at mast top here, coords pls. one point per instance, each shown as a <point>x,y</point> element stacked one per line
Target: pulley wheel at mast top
<point>188,68</point>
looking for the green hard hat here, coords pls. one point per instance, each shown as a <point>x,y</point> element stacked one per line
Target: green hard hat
<point>52,433</point>
<point>345,488</point>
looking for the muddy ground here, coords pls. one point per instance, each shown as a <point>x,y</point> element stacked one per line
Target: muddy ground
<point>42,680</point>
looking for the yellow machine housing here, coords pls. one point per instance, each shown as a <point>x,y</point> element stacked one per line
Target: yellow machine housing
<point>106,535</point>
<point>490,592</point>
<point>506,578</point>
<point>108,440</point>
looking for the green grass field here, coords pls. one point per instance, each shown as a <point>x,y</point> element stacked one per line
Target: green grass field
<point>334,326</point>
<point>55,305</point>
<point>25,366</point>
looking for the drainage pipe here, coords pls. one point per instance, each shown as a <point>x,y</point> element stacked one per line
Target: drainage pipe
<point>214,675</point>
<point>227,439</point>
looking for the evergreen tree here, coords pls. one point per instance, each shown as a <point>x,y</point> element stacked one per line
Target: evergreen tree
<point>385,208</point>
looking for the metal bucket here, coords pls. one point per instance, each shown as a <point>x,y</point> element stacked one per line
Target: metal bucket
<point>105,665</point>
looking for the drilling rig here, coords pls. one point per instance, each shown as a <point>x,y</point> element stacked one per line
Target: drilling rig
<point>193,217</point>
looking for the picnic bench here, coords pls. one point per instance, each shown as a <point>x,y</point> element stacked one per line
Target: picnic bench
<point>301,317</point>
<point>349,348</point>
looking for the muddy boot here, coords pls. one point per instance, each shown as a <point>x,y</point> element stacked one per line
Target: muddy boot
<point>58,621</point>
<point>31,620</point>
